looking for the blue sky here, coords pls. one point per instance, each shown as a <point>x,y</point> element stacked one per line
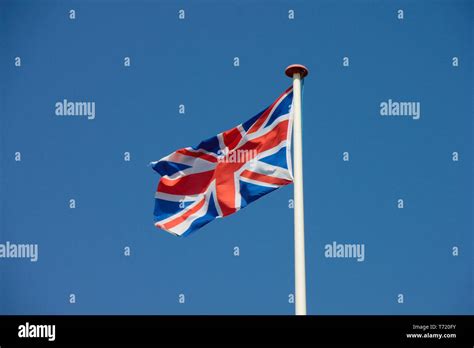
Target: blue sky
<point>81,251</point>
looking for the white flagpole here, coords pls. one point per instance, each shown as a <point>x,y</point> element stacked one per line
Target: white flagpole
<point>298,72</point>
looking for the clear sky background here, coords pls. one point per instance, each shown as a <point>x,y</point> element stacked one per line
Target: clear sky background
<point>408,251</point>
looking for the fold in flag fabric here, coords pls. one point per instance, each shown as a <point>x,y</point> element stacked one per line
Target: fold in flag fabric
<point>224,173</point>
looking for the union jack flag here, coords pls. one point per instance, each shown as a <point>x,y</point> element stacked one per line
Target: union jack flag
<point>224,173</point>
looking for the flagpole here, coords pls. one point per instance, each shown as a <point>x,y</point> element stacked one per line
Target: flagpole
<point>298,72</point>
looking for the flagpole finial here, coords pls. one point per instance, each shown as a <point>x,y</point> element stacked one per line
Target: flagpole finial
<point>296,68</point>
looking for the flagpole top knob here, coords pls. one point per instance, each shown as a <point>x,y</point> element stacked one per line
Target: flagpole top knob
<point>295,69</point>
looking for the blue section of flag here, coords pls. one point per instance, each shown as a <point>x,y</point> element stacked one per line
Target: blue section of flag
<point>169,168</point>
<point>210,215</point>
<point>247,124</point>
<point>277,159</point>
<point>165,208</point>
<point>250,192</point>
<point>282,109</point>
<point>210,145</point>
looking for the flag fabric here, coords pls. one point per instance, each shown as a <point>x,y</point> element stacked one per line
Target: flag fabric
<point>226,172</point>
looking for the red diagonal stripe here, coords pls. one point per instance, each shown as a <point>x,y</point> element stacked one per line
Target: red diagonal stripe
<point>232,138</point>
<point>180,219</point>
<point>268,140</point>
<point>197,154</point>
<point>265,178</point>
